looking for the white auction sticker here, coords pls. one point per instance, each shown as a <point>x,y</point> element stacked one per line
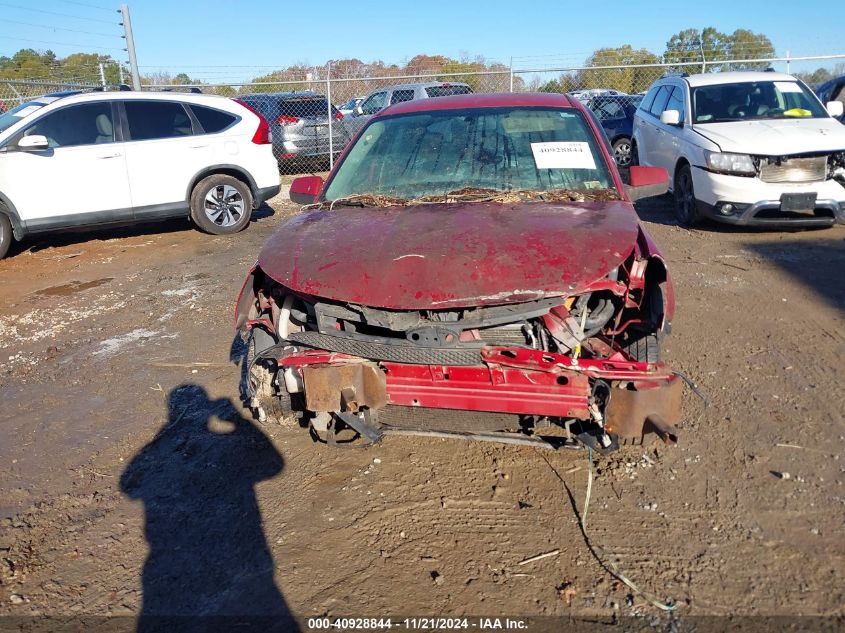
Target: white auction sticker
<point>563,155</point>
<point>788,86</point>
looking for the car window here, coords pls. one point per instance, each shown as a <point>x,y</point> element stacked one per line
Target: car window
<point>645,104</point>
<point>660,100</point>
<point>607,109</point>
<point>265,107</point>
<point>447,91</point>
<point>156,119</point>
<point>754,100</point>
<point>399,96</point>
<point>212,120</point>
<point>304,107</point>
<point>82,124</point>
<point>432,153</point>
<point>676,102</point>
<point>374,103</point>
<point>8,119</point>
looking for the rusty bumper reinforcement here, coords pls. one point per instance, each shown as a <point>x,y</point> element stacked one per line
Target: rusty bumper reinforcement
<point>344,387</point>
<point>632,414</point>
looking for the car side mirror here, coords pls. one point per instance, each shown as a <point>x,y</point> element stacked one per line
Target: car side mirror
<point>33,142</point>
<point>835,108</point>
<point>359,111</point>
<point>670,117</point>
<point>647,182</point>
<point>304,190</point>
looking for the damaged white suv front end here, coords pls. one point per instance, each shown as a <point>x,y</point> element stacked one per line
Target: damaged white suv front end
<point>752,149</point>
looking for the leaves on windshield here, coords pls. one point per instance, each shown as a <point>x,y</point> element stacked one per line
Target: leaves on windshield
<point>472,194</point>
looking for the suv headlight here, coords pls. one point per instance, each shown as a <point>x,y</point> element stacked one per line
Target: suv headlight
<point>727,163</point>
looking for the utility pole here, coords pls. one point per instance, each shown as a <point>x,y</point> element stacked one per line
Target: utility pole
<point>329,106</point>
<point>102,74</point>
<point>511,74</point>
<point>130,47</point>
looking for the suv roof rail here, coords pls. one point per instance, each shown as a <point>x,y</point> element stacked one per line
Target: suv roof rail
<point>110,87</point>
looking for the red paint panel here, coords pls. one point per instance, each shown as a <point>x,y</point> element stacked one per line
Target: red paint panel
<point>493,389</point>
<point>450,255</point>
<point>484,100</point>
<point>643,176</point>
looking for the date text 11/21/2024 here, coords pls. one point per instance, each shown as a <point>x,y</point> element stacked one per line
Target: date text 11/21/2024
<point>418,624</point>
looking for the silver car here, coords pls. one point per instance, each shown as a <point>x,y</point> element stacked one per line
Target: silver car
<point>300,125</point>
<point>379,99</point>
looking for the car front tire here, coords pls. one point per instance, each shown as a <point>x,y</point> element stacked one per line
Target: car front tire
<point>5,235</point>
<point>221,204</point>
<point>622,152</point>
<point>685,203</point>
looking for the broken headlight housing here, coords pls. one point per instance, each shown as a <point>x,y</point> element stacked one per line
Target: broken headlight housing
<point>729,163</point>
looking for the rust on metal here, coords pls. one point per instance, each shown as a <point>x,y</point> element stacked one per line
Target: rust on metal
<point>344,387</point>
<point>632,414</point>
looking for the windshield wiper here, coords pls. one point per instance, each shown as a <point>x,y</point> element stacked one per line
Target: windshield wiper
<point>472,194</point>
<point>359,200</point>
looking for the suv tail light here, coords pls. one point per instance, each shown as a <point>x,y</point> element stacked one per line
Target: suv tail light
<point>286,119</point>
<point>262,134</point>
<point>338,115</point>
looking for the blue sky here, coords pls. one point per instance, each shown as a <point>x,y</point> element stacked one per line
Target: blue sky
<point>218,39</point>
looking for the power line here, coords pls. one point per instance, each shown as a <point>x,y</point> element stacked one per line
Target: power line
<point>59,28</point>
<point>106,48</point>
<point>63,15</point>
<point>85,4</point>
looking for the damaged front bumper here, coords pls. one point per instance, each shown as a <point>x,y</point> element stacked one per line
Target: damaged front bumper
<point>537,390</point>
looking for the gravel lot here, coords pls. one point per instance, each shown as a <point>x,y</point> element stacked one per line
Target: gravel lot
<point>129,475</point>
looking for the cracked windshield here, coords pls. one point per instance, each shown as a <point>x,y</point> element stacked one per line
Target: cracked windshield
<point>473,154</point>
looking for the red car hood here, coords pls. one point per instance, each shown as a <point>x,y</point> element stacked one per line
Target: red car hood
<point>450,255</point>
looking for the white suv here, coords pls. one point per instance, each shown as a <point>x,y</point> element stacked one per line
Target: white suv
<point>747,148</point>
<point>88,159</point>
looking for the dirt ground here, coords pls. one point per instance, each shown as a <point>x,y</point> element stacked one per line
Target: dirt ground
<point>131,478</point>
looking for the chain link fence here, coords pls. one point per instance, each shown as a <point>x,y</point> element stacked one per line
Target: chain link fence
<point>314,112</point>
<point>13,92</point>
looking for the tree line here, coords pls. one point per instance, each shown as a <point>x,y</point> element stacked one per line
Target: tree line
<point>633,70</point>
<point>690,50</point>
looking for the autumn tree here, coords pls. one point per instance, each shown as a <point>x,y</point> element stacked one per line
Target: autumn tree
<point>690,48</point>
<point>627,75</point>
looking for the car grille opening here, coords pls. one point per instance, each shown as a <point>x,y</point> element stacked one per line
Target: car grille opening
<point>504,335</point>
<point>777,214</point>
<point>812,169</point>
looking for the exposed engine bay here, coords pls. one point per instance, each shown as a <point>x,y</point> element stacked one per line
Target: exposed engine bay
<point>583,368</point>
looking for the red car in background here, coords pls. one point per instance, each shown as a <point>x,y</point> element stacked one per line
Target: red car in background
<point>472,265</point>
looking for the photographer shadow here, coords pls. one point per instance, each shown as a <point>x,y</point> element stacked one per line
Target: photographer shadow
<point>209,566</point>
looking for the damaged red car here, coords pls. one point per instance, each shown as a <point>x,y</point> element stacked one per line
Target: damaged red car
<point>472,266</point>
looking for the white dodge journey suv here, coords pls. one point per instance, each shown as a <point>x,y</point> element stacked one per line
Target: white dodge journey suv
<point>86,159</point>
<point>747,148</point>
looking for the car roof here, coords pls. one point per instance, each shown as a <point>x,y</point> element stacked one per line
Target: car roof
<point>624,98</point>
<point>282,95</point>
<point>710,79</point>
<point>495,100</point>
<point>830,83</point>
<point>131,95</point>
<point>424,84</point>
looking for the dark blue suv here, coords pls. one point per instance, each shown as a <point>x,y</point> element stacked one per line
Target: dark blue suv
<point>616,115</point>
<point>833,90</point>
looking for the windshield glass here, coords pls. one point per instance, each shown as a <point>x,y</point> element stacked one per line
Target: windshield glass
<point>8,119</point>
<point>499,149</point>
<point>447,91</point>
<point>754,100</point>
